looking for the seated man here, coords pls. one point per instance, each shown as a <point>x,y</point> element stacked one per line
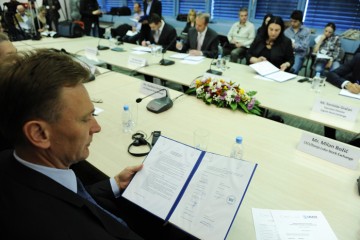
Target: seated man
<point>347,76</point>
<point>202,40</point>
<point>300,37</point>
<point>135,29</point>
<point>240,36</point>
<point>161,33</point>
<point>51,127</point>
<point>23,20</point>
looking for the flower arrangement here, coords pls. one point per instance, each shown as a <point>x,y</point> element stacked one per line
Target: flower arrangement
<point>226,94</point>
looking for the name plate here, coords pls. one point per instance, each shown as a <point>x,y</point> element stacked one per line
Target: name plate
<point>136,62</point>
<point>148,88</point>
<point>335,109</point>
<point>330,150</point>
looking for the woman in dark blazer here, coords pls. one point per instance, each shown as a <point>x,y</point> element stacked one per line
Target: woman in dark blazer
<point>273,46</point>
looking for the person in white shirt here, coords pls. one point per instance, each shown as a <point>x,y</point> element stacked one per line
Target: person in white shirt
<point>240,36</point>
<point>23,19</point>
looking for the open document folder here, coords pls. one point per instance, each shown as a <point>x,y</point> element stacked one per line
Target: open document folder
<point>197,191</point>
<point>268,70</point>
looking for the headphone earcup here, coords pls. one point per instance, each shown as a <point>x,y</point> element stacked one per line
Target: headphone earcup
<point>142,141</point>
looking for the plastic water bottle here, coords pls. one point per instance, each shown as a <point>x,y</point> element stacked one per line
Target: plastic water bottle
<point>219,61</point>
<point>127,122</point>
<point>316,82</point>
<point>237,150</point>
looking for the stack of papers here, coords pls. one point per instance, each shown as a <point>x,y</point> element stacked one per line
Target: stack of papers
<point>146,49</point>
<point>186,58</point>
<point>289,225</point>
<point>268,70</point>
<point>346,93</point>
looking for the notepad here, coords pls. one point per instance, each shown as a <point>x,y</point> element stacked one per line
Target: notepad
<point>186,56</point>
<point>346,93</point>
<point>268,70</point>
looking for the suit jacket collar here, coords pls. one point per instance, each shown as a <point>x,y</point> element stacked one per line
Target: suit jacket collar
<point>39,182</point>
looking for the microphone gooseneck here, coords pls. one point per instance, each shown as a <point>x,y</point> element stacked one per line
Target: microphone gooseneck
<point>138,100</point>
<point>163,61</point>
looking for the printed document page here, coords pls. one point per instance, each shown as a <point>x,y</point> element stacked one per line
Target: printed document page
<point>166,169</point>
<point>281,76</point>
<point>213,196</point>
<point>268,70</point>
<point>264,68</point>
<point>265,228</point>
<point>291,225</point>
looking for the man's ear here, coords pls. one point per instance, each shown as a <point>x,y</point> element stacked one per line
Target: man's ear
<point>37,133</point>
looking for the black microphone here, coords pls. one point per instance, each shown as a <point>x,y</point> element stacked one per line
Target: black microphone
<point>163,61</point>
<point>212,71</point>
<point>158,105</point>
<point>100,47</point>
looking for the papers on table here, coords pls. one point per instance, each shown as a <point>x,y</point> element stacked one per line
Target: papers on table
<point>346,93</point>
<point>290,225</point>
<point>268,70</point>
<point>187,57</point>
<point>146,49</point>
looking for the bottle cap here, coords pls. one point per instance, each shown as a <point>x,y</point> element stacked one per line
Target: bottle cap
<point>239,139</point>
<point>126,107</point>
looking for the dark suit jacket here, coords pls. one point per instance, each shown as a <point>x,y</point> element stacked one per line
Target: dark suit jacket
<point>33,206</point>
<point>52,13</point>
<point>210,45</point>
<point>167,36</point>
<point>156,7</point>
<point>349,71</point>
<point>281,51</point>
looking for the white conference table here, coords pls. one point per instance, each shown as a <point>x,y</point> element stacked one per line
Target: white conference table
<point>286,179</point>
<point>290,97</point>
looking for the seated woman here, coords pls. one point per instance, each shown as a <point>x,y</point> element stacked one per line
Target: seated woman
<point>273,46</point>
<point>190,22</point>
<point>328,49</point>
<point>40,20</point>
<point>266,20</point>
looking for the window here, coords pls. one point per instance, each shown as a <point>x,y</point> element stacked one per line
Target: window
<point>227,9</point>
<point>186,5</point>
<point>168,7</point>
<point>282,8</point>
<point>345,14</point>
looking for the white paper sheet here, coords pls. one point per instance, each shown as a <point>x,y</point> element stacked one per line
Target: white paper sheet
<point>268,70</point>
<point>157,185</point>
<point>291,225</point>
<point>210,202</point>
<point>346,93</point>
<point>302,225</point>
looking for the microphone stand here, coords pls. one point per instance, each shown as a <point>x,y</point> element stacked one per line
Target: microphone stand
<point>158,105</point>
<point>212,71</point>
<point>166,62</point>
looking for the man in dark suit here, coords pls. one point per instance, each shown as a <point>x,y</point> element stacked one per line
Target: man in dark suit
<point>202,40</point>
<point>161,33</point>
<point>52,14</point>
<point>150,7</point>
<point>51,127</point>
<point>347,76</point>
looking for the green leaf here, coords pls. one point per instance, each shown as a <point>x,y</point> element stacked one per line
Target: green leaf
<point>243,106</point>
<point>190,91</point>
<point>233,106</point>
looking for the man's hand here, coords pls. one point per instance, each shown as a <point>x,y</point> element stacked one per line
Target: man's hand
<point>284,66</point>
<point>195,53</point>
<point>353,87</point>
<point>124,177</point>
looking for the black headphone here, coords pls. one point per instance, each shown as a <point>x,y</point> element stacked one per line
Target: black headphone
<point>139,140</point>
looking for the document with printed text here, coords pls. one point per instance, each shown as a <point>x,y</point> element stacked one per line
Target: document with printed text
<point>198,191</point>
<point>268,70</point>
